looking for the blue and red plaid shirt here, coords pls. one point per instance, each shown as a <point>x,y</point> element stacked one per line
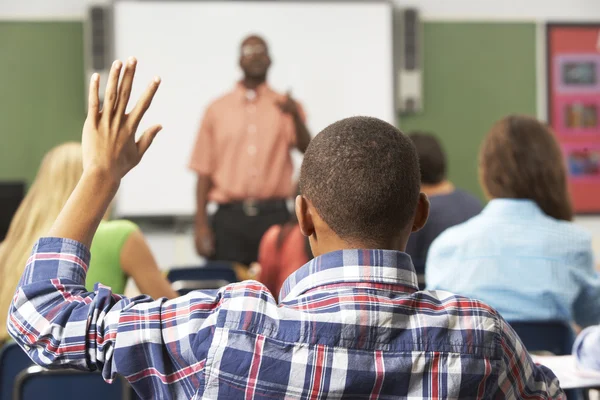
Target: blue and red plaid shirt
<point>352,324</point>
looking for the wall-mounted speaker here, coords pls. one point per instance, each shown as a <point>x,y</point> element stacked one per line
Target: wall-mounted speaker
<point>408,35</point>
<point>98,44</point>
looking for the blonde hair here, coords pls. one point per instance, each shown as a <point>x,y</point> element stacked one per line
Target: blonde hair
<point>56,179</point>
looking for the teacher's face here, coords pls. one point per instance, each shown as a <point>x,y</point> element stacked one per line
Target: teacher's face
<point>254,58</point>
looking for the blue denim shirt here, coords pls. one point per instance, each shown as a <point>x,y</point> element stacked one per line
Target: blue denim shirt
<point>517,259</point>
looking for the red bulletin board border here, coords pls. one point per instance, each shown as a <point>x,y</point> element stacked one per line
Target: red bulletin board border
<point>573,73</point>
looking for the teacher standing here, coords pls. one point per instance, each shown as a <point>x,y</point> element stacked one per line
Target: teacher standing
<point>243,160</point>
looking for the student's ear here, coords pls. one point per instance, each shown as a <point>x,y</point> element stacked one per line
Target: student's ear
<point>422,212</point>
<point>305,220</point>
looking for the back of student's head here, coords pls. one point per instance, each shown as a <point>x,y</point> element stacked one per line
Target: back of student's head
<point>57,176</point>
<point>362,176</point>
<point>432,157</point>
<point>520,159</point>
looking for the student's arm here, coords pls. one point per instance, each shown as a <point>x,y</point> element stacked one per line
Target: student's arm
<point>57,322</point>
<point>137,262</point>
<point>587,348</point>
<point>519,377</point>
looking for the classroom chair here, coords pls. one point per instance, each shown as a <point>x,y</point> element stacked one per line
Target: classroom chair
<point>36,383</point>
<point>556,337</point>
<point>213,275</point>
<point>13,360</point>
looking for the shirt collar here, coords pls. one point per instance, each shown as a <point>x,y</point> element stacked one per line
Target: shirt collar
<point>245,93</point>
<point>516,207</point>
<point>347,266</point>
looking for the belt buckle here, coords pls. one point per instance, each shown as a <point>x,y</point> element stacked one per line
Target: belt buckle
<point>250,208</point>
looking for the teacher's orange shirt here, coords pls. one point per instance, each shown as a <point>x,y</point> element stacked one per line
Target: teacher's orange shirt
<point>244,145</point>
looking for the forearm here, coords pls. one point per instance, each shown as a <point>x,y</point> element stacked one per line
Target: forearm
<point>59,324</point>
<point>81,215</point>
<point>587,348</point>
<point>53,316</point>
<point>302,133</point>
<point>202,189</point>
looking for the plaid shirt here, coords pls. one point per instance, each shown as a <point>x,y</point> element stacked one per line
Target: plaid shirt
<point>352,324</point>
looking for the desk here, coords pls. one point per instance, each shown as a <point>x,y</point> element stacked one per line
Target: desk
<point>568,373</point>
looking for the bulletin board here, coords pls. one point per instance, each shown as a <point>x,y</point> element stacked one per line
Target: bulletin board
<point>574,105</point>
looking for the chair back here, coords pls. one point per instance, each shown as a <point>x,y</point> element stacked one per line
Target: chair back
<point>36,383</point>
<point>556,337</point>
<point>13,360</point>
<point>213,275</point>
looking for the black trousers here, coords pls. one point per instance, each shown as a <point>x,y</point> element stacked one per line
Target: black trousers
<point>238,228</point>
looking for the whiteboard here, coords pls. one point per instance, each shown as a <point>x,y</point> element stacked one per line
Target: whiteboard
<point>336,58</point>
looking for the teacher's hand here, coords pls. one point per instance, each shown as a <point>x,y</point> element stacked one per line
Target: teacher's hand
<point>288,105</point>
<point>108,138</point>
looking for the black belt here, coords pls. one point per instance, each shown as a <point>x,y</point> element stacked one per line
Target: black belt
<point>252,208</point>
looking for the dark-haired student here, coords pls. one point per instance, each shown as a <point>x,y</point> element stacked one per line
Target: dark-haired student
<point>522,254</point>
<point>449,206</point>
<point>351,323</point>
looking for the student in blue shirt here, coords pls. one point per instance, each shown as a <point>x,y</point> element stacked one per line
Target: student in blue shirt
<point>522,254</point>
<point>449,205</point>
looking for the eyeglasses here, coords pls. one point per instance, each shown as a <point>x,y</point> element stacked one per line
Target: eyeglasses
<point>253,49</point>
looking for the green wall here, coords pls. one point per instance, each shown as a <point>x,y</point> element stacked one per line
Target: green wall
<point>41,92</point>
<point>474,74</point>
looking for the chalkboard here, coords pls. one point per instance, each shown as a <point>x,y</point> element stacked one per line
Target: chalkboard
<point>474,74</point>
<point>41,92</point>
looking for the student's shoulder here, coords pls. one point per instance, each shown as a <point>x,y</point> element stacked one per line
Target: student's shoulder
<point>469,199</point>
<point>253,293</point>
<point>460,233</point>
<point>117,225</point>
<point>114,234</point>
<point>570,232</point>
<point>455,312</point>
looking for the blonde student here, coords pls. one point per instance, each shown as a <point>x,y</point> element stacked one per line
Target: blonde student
<point>118,251</point>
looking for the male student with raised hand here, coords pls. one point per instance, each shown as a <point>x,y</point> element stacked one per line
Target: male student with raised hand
<point>351,324</point>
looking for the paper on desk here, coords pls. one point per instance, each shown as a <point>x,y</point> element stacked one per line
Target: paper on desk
<point>568,373</point>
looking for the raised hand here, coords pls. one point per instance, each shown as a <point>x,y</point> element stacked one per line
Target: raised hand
<point>108,139</point>
<point>109,152</point>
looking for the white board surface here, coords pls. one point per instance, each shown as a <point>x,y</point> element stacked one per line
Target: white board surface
<point>336,58</point>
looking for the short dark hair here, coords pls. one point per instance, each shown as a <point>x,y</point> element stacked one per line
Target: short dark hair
<point>362,176</point>
<point>521,159</point>
<point>432,157</point>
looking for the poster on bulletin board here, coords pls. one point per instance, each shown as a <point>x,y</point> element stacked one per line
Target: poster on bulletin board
<point>574,105</point>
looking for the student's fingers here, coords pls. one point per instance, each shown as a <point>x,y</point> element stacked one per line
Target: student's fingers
<point>93,101</point>
<point>146,140</point>
<point>110,94</point>
<point>125,87</point>
<point>143,104</point>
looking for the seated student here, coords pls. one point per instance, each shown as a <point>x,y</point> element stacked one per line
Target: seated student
<point>449,206</point>
<point>587,348</point>
<point>351,323</point>
<point>522,254</point>
<point>119,249</point>
<point>283,249</point>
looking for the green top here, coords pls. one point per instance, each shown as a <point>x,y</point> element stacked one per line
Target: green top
<point>105,266</point>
